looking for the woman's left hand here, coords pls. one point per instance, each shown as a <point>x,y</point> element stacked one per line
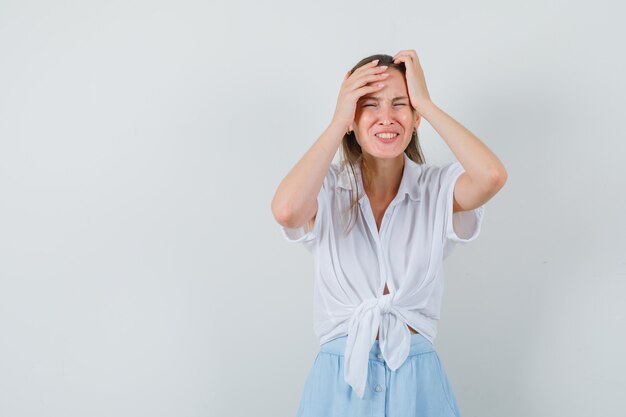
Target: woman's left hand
<point>416,83</point>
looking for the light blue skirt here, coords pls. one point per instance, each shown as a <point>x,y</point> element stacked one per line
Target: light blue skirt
<point>419,388</point>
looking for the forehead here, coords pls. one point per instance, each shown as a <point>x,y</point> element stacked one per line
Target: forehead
<point>395,87</point>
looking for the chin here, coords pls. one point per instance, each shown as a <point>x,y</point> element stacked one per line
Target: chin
<point>386,154</point>
<point>391,151</point>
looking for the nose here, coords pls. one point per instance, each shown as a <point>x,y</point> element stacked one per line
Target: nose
<point>385,114</point>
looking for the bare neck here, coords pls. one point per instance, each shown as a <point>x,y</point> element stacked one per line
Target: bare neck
<point>381,177</point>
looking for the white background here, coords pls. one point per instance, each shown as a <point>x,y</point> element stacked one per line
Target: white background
<point>141,142</point>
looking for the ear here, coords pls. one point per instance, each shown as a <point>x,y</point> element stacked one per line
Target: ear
<point>418,120</point>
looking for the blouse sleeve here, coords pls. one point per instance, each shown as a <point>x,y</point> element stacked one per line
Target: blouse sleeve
<point>462,226</point>
<point>305,234</point>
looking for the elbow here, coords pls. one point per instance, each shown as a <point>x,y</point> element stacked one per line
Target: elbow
<point>283,218</point>
<point>497,178</point>
<point>283,214</point>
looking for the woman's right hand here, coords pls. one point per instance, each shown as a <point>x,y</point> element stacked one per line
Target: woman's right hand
<point>353,87</point>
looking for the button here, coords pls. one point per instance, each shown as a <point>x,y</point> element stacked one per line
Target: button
<point>378,388</point>
<point>379,356</point>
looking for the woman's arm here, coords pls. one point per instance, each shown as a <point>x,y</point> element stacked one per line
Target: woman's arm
<point>484,174</point>
<point>295,200</point>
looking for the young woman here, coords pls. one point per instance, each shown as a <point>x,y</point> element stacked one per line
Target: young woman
<point>379,226</point>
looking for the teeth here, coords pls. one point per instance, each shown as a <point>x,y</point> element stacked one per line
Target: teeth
<point>386,135</point>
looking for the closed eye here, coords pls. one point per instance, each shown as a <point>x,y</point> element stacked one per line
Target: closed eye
<point>372,105</point>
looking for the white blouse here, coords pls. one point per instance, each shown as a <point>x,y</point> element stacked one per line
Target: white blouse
<point>417,233</point>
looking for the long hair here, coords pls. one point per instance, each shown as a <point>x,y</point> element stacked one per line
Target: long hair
<point>351,150</point>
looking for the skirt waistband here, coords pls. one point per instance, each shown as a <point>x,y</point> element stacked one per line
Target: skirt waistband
<point>337,346</point>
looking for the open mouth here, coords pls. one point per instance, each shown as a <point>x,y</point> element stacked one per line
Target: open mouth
<point>387,137</point>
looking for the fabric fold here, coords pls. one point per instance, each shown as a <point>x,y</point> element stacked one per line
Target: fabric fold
<point>371,316</point>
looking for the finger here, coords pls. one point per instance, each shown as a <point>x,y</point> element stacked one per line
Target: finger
<point>399,57</point>
<point>372,71</point>
<point>404,58</point>
<point>366,67</point>
<point>406,52</point>
<point>374,77</point>
<point>412,55</point>
<point>369,89</point>
<point>362,73</point>
<point>366,78</point>
<point>403,52</point>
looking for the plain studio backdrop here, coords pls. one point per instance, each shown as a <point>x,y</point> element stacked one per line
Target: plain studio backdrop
<point>143,274</point>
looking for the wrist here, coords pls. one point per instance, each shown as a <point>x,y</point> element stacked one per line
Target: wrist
<point>340,127</point>
<point>425,106</point>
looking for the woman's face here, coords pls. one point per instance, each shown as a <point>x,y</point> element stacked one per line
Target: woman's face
<point>387,110</point>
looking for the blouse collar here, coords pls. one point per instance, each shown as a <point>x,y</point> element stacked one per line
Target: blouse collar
<point>408,183</point>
